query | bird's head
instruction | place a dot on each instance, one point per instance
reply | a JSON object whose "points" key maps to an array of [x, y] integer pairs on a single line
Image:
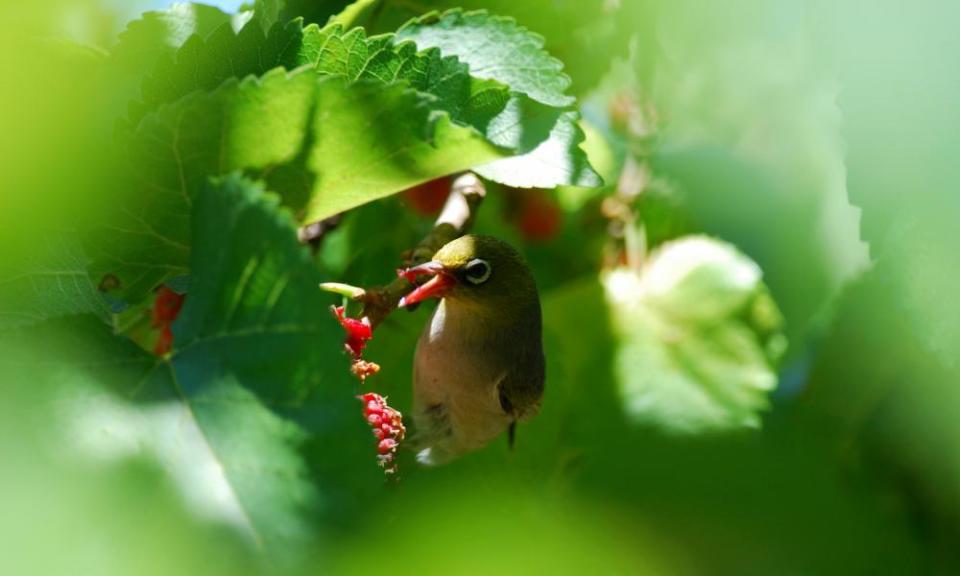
{"points": [[479, 271]]}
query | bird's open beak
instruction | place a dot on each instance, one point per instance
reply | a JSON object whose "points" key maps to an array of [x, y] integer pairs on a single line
{"points": [[435, 287]]}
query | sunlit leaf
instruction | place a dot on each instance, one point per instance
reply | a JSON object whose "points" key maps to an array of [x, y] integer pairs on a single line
{"points": [[496, 48]]}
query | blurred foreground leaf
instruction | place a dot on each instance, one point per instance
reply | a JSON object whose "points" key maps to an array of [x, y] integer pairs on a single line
{"points": [[47, 279], [700, 337], [160, 34]]}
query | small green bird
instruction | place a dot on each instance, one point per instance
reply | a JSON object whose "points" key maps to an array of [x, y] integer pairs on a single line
{"points": [[479, 365]]}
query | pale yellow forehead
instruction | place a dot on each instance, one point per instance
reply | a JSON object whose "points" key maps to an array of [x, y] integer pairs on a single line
{"points": [[458, 252]]}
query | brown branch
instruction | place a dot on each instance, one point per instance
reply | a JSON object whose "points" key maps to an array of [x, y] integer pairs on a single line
{"points": [[456, 218]]}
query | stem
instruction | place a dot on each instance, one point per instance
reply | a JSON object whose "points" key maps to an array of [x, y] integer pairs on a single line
{"points": [[352, 292], [632, 183], [456, 218]]}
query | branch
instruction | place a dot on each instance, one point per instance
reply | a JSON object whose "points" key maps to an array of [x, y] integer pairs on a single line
{"points": [[456, 218]]}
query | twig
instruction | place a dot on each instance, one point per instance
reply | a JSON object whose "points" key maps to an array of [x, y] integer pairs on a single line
{"points": [[624, 213], [466, 194]]}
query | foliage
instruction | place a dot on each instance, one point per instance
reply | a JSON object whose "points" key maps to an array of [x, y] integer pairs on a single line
{"points": [[732, 385]]}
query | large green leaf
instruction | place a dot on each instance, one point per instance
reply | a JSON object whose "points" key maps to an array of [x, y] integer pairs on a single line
{"points": [[496, 48], [699, 338], [370, 142], [253, 344]]}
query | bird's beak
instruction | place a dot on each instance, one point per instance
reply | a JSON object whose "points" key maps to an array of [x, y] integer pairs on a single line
{"points": [[435, 287]]}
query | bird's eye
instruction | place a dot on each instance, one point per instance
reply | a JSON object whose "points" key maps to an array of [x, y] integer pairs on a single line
{"points": [[477, 271]]}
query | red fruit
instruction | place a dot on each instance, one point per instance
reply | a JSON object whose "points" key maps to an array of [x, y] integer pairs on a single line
{"points": [[358, 332], [386, 446], [164, 342], [387, 426], [166, 306], [428, 198], [540, 217]]}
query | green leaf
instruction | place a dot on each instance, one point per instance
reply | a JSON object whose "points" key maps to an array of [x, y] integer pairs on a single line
{"points": [[356, 13], [497, 49], [46, 279], [370, 142], [267, 12], [203, 63], [254, 343], [508, 120], [256, 123], [556, 161], [162, 33], [247, 339], [699, 338]]}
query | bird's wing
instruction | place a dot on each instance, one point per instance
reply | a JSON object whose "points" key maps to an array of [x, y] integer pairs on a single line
{"points": [[520, 388]]}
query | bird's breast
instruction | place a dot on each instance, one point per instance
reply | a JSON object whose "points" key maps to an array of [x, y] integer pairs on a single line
{"points": [[456, 370]]}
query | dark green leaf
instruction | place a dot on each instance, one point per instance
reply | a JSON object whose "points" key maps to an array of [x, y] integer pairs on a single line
{"points": [[254, 343]]}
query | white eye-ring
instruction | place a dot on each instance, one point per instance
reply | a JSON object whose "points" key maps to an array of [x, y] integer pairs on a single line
{"points": [[477, 271]]}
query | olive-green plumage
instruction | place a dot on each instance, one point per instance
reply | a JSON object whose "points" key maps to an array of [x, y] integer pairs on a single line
{"points": [[479, 365]]}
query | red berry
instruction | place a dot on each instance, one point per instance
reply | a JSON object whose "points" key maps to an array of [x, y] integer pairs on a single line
{"points": [[386, 445], [540, 217], [387, 428], [164, 342], [166, 306], [428, 198]]}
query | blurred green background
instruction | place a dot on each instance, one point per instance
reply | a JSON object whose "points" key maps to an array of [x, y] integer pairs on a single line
{"points": [[776, 392]]}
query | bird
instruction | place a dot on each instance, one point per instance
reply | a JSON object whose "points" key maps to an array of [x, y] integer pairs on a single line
{"points": [[479, 366]]}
